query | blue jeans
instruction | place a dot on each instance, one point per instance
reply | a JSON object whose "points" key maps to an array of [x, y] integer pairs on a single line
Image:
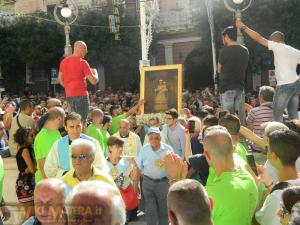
{"points": [[286, 96], [80, 105], [231, 100]]}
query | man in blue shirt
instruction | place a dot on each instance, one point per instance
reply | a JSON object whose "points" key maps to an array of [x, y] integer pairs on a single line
{"points": [[155, 181], [173, 132]]}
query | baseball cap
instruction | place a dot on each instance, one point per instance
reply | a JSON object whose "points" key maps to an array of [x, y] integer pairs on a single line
{"points": [[153, 130]]}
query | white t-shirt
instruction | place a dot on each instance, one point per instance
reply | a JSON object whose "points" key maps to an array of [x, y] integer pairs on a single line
{"points": [[286, 59], [267, 215]]}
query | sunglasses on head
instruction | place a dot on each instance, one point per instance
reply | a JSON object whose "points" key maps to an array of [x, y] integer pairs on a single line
{"points": [[81, 157]]}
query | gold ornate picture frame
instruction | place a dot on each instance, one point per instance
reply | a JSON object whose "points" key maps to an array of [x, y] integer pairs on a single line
{"points": [[161, 88]]}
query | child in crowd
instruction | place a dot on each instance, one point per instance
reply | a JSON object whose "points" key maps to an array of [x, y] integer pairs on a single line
{"points": [[124, 171], [25, 182]]}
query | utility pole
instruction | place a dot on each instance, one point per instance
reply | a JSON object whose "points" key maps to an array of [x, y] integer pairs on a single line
{"points": [[143, 30]]}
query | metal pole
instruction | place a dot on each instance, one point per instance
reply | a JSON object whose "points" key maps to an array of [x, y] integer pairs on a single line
{"points": [[213, 47], [240, 40], [68, 48], [143, 29], [240, 37]]}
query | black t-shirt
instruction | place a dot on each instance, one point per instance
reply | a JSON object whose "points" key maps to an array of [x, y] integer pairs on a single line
{"points": [[196, 146], [234, 60]]}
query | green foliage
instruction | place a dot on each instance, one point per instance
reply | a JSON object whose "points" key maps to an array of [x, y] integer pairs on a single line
{"points": [[119, 58], [39, 42]]}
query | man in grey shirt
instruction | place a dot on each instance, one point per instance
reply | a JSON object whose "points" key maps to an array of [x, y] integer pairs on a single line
{"points": [[174, 133]]}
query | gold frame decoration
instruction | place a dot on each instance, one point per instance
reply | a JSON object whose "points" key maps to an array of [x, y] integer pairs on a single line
{"points": [[161, 88]]}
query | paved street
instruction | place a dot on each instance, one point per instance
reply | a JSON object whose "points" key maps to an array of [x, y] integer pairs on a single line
{"points": [[11, 173]]}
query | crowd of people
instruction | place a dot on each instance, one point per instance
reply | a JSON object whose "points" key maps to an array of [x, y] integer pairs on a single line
{"points": [[84, 159], [56, 156]]}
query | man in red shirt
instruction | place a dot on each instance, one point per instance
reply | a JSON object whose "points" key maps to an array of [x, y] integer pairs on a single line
{"points": [[73, 73]]}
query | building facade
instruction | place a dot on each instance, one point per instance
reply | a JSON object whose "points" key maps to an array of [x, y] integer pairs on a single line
{"points": [[175, 30]]}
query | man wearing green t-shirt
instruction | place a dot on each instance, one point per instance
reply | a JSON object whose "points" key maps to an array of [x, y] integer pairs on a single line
{"points": [[94, 129], [116, 113], [45, 139], [232, 188], [232, 124]]}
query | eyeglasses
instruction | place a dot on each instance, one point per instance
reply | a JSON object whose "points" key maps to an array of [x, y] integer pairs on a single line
{"points": [[282, 211], [81, 157]]}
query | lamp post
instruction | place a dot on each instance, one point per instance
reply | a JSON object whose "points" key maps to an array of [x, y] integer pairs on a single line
{"points": [[65, 13], [238, 6], [149, 10]]}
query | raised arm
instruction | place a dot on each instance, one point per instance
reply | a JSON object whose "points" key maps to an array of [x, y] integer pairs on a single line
{"points": [[135, 108], [251, 33], [252, 137]]}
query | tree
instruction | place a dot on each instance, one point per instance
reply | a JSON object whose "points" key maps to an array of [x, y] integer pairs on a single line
{"points": [[40, 42]]}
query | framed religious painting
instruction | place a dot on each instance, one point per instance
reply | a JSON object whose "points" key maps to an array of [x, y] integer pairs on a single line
{"points": [[161, 88]]}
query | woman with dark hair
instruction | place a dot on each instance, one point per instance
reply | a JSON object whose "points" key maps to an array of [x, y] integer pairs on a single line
{"points": [[290, 197], [26, 165]]}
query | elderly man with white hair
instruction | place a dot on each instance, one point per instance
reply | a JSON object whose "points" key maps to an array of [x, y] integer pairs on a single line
{"points": [[96, 202], [83, 154], [49, 200]]}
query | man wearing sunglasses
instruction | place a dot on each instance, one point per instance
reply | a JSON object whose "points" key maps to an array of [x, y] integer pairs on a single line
{"points": [[83, 155], [58, 161]]}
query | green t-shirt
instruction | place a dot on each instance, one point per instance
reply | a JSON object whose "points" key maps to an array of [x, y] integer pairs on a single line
{"points": [[234, 197], [105, 136], [1, 177], [42, 144], [114, 128], [95, 132], [241, 151]]}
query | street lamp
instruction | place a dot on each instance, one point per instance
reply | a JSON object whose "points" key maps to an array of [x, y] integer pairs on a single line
{"points": [[65, 13], [238, 6]]}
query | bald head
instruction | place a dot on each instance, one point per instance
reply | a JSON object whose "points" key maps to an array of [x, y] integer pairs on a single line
{"points": [[124, 127], [218, 143], [55, 112], [80, 49], [277, 36], [49, 199], [95, 202], [52, 102]]}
